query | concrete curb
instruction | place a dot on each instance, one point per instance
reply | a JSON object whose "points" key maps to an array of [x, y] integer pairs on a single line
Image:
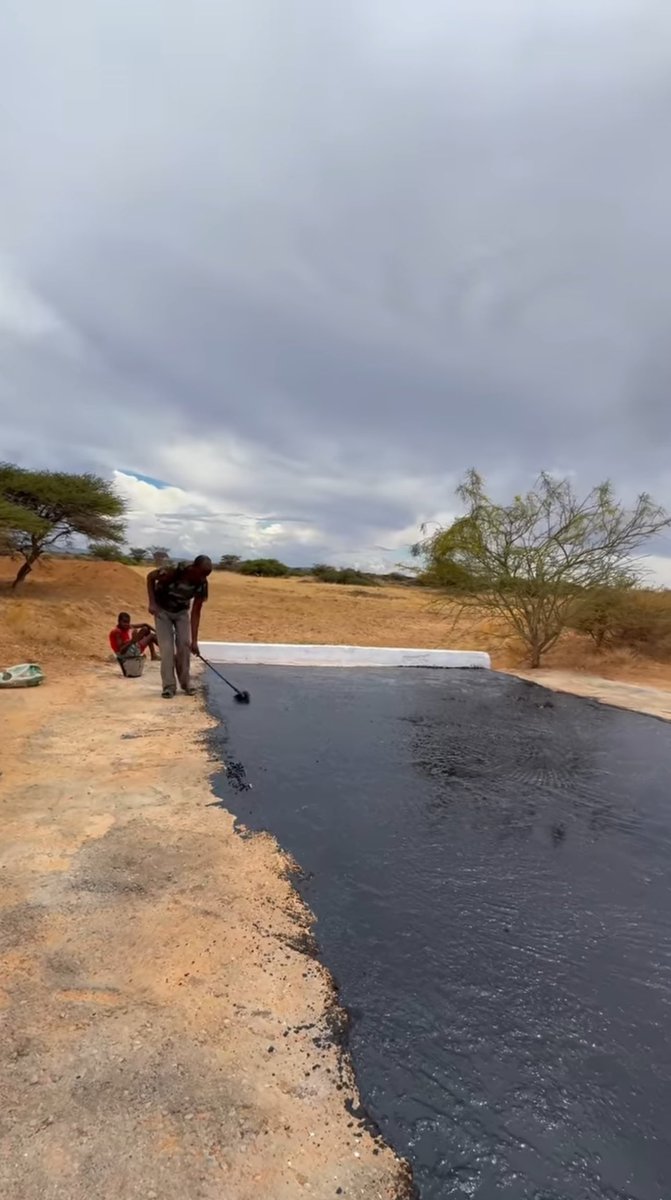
{"points": [[279, 654]]}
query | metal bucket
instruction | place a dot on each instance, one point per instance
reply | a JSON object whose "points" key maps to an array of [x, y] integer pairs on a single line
{"points": [[133, 666]]}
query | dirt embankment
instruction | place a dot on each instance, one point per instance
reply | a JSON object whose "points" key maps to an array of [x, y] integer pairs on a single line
{"points": [[163, 1032]]}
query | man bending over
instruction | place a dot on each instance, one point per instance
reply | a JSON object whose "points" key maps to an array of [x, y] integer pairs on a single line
{"points": [[172, 592]]}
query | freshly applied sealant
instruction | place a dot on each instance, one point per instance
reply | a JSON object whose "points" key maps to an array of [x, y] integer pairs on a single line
{"points": [[490, 868]]}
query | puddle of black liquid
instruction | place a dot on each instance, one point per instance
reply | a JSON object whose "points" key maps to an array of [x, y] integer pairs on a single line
{"points": [[490, 868]]}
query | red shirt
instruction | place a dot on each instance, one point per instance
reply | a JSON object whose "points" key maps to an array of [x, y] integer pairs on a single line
{"points": [[119, 638]]}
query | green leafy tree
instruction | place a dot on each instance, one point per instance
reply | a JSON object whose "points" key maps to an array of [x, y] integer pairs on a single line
{"points": [[325, 573], [344, 575], [107, 552], [263, 566], [60, 506], [138, 554], [530, 560]]}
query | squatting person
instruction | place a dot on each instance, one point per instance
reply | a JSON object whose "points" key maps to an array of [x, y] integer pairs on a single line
{"points": [[126, 639]]}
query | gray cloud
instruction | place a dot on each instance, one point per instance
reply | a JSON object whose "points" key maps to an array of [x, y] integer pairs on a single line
{"points": [[345, 250]]}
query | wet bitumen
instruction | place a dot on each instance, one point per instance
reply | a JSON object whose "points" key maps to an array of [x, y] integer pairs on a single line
{"points": [[490, 869]]}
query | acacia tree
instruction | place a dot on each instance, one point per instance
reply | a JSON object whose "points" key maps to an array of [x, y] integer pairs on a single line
{"points": [[229, 562], [51, 507], [160, 555], [138, 554], [528, 561], [15, 519]]}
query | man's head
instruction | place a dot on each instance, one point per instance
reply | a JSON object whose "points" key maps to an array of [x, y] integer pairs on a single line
{"points": [[201, 567], [123, 620]]}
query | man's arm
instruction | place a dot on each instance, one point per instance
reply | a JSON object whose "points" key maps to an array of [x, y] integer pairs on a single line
{"points": [[152, 580], [151, 595], [196, 609]]}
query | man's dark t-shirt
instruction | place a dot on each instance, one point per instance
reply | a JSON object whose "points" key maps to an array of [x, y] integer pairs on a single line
{"points": [[174, 593]]}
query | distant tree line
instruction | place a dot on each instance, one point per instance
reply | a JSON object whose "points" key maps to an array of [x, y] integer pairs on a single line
{"points": [[260, 567], [130, 556], [323, 572]]}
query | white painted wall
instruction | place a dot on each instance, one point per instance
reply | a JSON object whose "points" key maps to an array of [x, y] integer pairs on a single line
{"points": [[339, 656]]}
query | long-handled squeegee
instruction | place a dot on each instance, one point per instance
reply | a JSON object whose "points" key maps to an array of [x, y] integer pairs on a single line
{"points": [[241, 697]]}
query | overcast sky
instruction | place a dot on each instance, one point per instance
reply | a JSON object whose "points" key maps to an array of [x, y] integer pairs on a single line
{"points": [[305, 261]]}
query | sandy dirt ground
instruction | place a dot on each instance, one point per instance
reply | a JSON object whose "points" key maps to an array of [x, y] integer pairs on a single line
{"points": [[163, 1032], [654, 701]]}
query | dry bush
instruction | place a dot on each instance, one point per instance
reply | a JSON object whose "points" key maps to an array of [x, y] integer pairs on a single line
{"points": [[626, 618]]}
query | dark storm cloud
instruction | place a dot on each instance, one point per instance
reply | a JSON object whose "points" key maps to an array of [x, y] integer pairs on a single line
{"points": [[369, 243]]}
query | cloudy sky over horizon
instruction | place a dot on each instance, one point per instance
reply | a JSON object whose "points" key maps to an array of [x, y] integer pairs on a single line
{"points": [[286, 269]]}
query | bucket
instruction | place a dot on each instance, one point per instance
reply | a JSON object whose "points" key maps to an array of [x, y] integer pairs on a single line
{"points": [[133, 666]]}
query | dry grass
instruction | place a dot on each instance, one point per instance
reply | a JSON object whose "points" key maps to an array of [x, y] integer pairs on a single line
{"points": [[67, 607], [64, 609]]}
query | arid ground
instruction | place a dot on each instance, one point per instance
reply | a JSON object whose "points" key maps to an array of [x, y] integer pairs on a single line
{"points": [[64, 611], [165, 1031]]}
